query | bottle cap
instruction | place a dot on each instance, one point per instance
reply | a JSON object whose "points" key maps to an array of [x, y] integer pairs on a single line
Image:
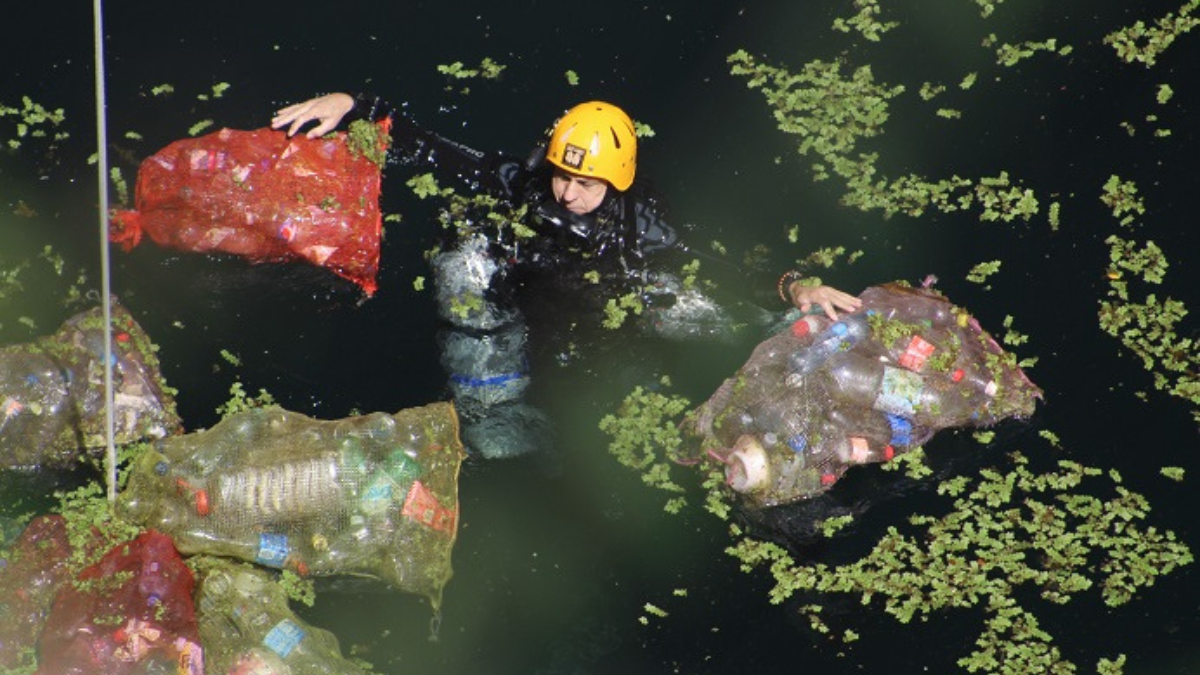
{"points": [[798, 443], [800, 328]]}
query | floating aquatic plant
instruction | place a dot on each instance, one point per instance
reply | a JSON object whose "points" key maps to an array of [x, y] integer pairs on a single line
{"points": [[199, 127], [981, 271], [645, 434], [1143, 44], [1010, 55], [987, 7], [368, 140], [1006, 531], [33, 120], [834, 114], [1149, 329], [866, 22]]}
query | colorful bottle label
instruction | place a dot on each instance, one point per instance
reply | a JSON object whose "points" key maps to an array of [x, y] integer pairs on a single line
{"points": [[901, 430], [860, 450], [899, 392], [422, 506], [917, 352], [283, 638], [272, 549]]}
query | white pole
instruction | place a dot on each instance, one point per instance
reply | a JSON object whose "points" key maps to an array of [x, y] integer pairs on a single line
{"points": [[105, 284]]}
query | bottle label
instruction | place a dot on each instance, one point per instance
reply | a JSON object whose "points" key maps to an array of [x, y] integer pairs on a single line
{"points": [[917, 352], [272, 549], [860, 451], [901, 430], [899, 392], [422, 506], [283, 638]]}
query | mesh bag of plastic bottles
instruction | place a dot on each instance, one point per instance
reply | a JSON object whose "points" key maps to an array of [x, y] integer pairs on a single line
{"points": [[52, 392], [247, 628], [822, 396], [374, 495], [267, 197], [32, 571], [129, 613]]}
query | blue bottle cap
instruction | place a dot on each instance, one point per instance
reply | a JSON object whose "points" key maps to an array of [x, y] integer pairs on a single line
{"points": [[797, 443]]}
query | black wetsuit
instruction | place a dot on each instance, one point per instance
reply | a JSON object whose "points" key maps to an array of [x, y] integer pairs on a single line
{"points": [[481, 272]]}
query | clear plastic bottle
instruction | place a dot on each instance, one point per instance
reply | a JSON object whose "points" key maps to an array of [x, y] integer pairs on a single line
{"points": [[277, 493], [842, 335], [879, 428], [864, 381]]}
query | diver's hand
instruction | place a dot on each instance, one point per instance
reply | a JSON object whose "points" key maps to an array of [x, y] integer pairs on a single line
{"points": [[826, 297], [328, 110]]}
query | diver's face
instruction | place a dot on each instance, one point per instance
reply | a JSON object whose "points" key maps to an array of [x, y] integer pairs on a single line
{"points": [[577, 194]]}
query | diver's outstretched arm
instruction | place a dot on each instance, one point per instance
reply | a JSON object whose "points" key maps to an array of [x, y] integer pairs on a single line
{"points": [[328, 110]]}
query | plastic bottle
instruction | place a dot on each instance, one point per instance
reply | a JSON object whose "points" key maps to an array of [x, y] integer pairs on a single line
{"points": [[860, 450], [747, 468], [279, 492], [976, 380], [879, 428], [259, 661], [875, 383], [840, 336]]}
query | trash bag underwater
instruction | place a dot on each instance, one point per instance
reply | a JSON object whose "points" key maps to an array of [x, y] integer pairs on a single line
{"points": [[130, 613], [374, 495], [821, 396], [266, 197], [52, 392], [33, 570], [247, 627]]}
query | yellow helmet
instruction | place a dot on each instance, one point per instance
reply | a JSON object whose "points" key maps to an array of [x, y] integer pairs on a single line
{"points": [[595, 139]]}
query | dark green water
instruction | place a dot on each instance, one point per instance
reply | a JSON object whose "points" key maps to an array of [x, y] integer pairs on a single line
{"points": [[558, 555]]}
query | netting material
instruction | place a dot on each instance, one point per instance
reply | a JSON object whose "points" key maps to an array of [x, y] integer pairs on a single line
{"points": [[264, 196], [375, 495], [31, 574], [52, 392], [130, 613], [247, 627], [820, 397]]}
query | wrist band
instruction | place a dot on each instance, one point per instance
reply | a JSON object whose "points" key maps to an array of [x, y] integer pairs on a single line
{"points": [[785, 282]]}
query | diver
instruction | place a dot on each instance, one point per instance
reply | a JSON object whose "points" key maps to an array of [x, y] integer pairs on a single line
{"points": [[582, 219]]}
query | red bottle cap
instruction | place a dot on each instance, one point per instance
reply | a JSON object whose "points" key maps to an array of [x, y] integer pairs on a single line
{"points": [[828, 479], [958, 375], [888, 453], [800, 328]]}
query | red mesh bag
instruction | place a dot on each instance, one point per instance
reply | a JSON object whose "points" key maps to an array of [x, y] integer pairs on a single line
{"points": [[130, 613], [267, 197], [31, 575]]}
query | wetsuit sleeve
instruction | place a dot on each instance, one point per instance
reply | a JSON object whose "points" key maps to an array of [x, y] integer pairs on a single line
{"points": [[654, 234], [415, 146]]}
